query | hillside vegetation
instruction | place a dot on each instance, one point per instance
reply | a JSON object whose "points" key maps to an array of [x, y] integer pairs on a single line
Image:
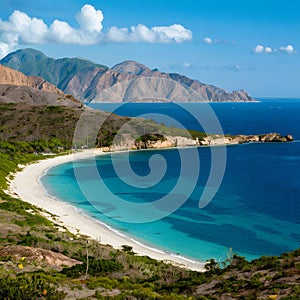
{"points": [[42, 260], [41, 123]]}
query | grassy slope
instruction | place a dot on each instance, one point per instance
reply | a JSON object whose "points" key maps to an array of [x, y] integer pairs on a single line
{"points": [[56, 125], [120, 273], [112, 273]]}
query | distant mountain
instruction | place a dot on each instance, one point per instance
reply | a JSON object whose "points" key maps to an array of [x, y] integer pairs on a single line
{"points": [[133, 67], [127, 81]]}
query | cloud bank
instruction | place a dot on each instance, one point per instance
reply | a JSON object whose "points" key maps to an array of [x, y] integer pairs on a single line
{"points": [[260, 49], [141, 33], [22, 29]]}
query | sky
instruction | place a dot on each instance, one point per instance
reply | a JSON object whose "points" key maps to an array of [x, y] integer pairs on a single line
{"points": [[234, 44]]}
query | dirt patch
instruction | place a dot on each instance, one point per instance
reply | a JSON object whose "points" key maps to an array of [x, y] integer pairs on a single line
{"points": [[31, 254]]}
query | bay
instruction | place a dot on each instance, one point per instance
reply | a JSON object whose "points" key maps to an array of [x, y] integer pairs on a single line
{"points": [[256, 210]]}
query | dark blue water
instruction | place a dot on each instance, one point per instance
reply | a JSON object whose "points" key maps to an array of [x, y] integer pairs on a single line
{"points": [[236, 118], [256, 210]]}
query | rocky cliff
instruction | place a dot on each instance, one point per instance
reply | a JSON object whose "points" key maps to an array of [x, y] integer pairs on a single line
{"points": [[10, 76], [214, 140], [15, 87], [128, 81]]}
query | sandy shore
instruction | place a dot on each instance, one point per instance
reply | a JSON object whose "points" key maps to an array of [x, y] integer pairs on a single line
{"points": [[27, 187]]}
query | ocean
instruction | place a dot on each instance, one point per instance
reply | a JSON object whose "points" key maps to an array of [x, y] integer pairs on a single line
{"points": [[255, 211]]}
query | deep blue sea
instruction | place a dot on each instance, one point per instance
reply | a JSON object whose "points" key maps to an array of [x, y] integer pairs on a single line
{"points": [[255, 211]]}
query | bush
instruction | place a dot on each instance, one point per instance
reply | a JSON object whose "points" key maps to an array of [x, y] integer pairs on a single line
{"points": [[97, 267], [29, 286]]}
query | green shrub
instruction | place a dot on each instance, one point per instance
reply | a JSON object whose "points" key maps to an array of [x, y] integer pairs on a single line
{"points": [[27, 286], [96, 267], [28, 240]]}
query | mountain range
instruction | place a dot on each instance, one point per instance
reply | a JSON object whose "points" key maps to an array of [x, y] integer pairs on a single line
{"points": [[128, 81]]}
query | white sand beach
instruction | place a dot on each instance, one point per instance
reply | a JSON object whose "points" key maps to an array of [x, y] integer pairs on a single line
{"points": [[27, 187]]}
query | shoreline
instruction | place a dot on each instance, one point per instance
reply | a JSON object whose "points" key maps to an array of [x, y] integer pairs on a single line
{"points": [[26, 186]]}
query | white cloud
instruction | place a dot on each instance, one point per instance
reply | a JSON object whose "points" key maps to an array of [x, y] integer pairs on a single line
{"points": [[260, 49], [5, 48], [268, 50], [289, 49], [174, 33], [10, 41], [119, 35], [62, 32], [22, 29], [141, 33], [235, 68], [90, 19], [208, 40], [187, 65]]}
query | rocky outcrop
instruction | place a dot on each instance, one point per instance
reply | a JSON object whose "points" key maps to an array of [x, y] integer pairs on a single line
{"points": [[30, 96], [213, 140], [128, 81], [210, 140], [34, 255], [185, 142], [159, 142], [15, 87], [289, 138], [10, 76], [167, 142]]}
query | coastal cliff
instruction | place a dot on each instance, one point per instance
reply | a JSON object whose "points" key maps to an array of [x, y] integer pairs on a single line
{"points": [[159, 141], [214, 140]]}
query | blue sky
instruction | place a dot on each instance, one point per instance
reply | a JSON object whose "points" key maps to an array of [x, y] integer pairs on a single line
{"points": [[235, 44]]}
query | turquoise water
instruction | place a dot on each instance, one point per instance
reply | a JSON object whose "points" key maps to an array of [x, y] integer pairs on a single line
{"points": [[256, 210]]}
